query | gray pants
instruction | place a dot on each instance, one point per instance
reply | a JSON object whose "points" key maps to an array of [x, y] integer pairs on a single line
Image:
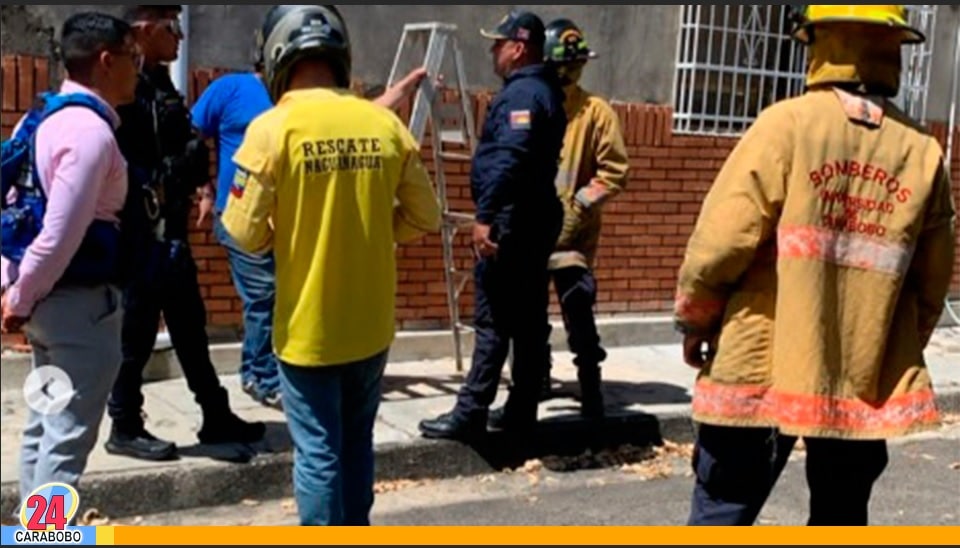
{"points": [[76, 329]]}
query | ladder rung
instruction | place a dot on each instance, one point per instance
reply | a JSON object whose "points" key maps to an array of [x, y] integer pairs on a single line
{"points": [[459, 218], [421, 27], [456, 157], [453, 136]]}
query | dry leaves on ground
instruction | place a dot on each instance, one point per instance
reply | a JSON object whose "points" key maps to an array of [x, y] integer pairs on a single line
{"points": [[93, 518], [644, 461], [532, 469], [661, 464], [650, 470], [532, 466], [608, 458], [397, 485], [671, 449]]}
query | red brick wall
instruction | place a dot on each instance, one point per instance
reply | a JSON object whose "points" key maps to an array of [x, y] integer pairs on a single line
{"points": [[644, 235]]}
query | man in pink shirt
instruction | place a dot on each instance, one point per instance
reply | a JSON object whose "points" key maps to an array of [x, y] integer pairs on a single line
{"points": [[70, 325]]}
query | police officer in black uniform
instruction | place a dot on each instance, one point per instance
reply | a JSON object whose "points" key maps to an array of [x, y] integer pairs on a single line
{"points": [[518, 220], [167, 164]]}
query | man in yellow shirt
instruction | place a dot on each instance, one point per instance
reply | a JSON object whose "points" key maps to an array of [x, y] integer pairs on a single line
{"points": [[328, 182]]}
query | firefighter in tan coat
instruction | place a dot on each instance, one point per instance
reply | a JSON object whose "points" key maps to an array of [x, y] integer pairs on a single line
{"points": [[593, 170], [814, 279]]}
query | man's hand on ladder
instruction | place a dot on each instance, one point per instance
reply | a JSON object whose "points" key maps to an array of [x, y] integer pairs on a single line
{"points": [[393, 97]]}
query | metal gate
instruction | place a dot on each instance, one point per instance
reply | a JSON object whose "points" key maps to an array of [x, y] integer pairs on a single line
{"points": [[733, 61], [917, 62]]}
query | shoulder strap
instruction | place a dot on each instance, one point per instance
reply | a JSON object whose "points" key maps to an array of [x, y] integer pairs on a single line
{"points": [[29, 125], [53, 103], [18, 145]]}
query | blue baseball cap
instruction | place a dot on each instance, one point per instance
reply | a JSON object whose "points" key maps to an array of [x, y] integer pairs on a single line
{"points": [[520, 26]]}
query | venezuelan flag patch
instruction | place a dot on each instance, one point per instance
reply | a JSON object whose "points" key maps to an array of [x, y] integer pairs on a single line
{"points": [[520, 119], [239, 183]]}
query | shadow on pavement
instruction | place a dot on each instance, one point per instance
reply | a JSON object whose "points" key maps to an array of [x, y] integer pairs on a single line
{"points": [[276, 440], [620, 396], [554, 439], [405, 385]]}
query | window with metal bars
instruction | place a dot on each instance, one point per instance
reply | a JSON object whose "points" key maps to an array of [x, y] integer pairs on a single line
{"points": [[735, 61], [917, 62]]}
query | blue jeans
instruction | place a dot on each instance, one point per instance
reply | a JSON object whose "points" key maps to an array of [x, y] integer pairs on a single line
{"points": [[331, 412], [253, 277]]}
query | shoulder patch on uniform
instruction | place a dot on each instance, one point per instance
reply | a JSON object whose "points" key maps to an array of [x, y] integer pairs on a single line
{"points": [[520, 119], [240, 179]]}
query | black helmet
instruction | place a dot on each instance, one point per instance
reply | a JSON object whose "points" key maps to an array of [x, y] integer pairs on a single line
{"points": [[565, 43], [294, 32]]}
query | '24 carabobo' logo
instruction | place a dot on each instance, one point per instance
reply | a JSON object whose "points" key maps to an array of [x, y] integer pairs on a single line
{"points": [[50, 507], [46, 514]]}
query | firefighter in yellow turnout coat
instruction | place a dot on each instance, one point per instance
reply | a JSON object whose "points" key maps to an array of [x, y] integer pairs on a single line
{"points": [[815, 277], [593, 170]]}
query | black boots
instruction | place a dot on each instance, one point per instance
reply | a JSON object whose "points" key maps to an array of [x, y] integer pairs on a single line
{"points": [[220, 426], [133, 440], [225, 427], [591, 394], [450, 426]]}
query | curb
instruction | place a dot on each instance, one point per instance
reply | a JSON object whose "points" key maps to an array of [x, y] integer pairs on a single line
{"points": [[178, 488], [268, 477]]}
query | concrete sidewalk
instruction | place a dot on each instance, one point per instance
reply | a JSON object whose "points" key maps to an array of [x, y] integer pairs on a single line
{"points": [[409, 346], [647, 390]]}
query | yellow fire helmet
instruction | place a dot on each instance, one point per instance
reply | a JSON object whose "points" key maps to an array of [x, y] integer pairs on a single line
{"points": [[893, 16]]}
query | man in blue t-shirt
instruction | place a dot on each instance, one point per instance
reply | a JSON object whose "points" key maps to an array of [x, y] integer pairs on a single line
{"points": [[223, 113]]}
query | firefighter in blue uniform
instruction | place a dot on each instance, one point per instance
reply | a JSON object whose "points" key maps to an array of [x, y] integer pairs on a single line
{"points": [[518, 220]]}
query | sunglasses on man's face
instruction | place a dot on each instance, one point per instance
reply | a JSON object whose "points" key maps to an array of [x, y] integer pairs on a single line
{"points": [[173, 26], [170, 25]]}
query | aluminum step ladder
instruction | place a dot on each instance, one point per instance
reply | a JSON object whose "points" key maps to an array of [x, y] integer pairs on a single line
{"points": [[428, 45]]}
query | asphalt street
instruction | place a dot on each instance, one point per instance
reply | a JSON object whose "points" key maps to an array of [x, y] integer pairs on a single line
{"points": [[629, 487]]}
